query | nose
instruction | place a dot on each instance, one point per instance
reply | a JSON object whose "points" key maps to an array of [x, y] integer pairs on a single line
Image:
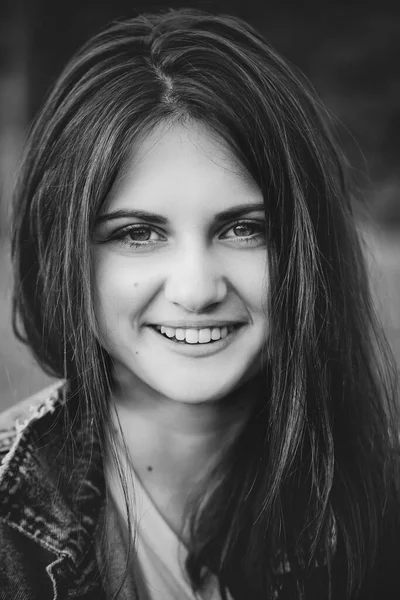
{"points": [[195, 281]]}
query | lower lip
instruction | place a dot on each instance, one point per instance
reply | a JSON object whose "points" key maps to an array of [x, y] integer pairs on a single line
{"points": [[198, 349]]}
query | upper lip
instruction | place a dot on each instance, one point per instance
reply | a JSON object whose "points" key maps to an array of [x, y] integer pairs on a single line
{"points": [[197, 324]]}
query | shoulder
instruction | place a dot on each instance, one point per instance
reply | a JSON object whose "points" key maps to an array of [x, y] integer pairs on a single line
{"points": [[15, 418]]}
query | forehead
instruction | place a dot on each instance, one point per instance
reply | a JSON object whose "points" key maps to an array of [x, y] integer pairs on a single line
{"points": [[182, 164]]}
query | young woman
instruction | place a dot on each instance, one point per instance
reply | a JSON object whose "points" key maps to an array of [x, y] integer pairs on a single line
{"points": [[187, 265]]}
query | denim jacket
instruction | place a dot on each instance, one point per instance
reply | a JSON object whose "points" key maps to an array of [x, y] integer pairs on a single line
{"points": [[50, 513], [46, 552]]}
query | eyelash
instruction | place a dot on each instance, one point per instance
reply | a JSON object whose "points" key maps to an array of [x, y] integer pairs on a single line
{"points": [[122, 234]]}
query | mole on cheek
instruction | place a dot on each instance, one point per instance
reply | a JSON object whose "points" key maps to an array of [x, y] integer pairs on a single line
{"points": [[149, 468]]}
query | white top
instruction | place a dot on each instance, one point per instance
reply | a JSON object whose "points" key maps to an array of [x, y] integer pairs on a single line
{"points": [[160, 555]]}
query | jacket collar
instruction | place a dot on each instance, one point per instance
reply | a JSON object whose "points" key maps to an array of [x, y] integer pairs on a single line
{"points": [[54, 498]]}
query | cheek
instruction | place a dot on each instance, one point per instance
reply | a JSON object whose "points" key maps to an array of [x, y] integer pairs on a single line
{"points": [[114, 287], [253, 282], [119, 295]]}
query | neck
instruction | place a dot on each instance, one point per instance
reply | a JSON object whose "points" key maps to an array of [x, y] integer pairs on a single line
{"points": [[173, 444], [157, 427]]}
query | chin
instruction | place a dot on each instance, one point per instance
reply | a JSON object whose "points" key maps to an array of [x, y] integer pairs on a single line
{"points": [[196, 399], [198, 394]]}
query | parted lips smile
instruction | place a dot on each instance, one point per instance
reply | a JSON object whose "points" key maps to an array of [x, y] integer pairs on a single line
{"points": [[197, 342]]}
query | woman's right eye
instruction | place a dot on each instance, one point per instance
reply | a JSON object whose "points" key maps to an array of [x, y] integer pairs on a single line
{"points": [[135, 235]]}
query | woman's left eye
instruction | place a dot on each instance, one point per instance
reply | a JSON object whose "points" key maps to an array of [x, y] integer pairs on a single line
{"points": [[139, 236], [257, 227]]}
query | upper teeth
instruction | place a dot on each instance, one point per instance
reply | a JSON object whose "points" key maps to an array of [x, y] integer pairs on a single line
{"points": [[195, 336]]}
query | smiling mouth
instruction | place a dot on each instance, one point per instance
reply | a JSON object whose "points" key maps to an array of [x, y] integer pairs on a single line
{"points": [[184, 342]]}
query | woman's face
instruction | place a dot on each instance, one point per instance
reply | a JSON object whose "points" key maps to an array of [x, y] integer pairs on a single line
{"points": [[167, 252]]}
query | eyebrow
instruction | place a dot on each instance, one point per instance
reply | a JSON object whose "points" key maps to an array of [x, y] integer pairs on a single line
{"points": [[226, 215]]}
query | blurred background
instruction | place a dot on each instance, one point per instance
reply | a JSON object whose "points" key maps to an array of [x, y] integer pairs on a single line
{"points": [[351, 53]]}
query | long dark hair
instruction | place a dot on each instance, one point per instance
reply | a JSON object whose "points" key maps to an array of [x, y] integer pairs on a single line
{"points": [[323, 430]]}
